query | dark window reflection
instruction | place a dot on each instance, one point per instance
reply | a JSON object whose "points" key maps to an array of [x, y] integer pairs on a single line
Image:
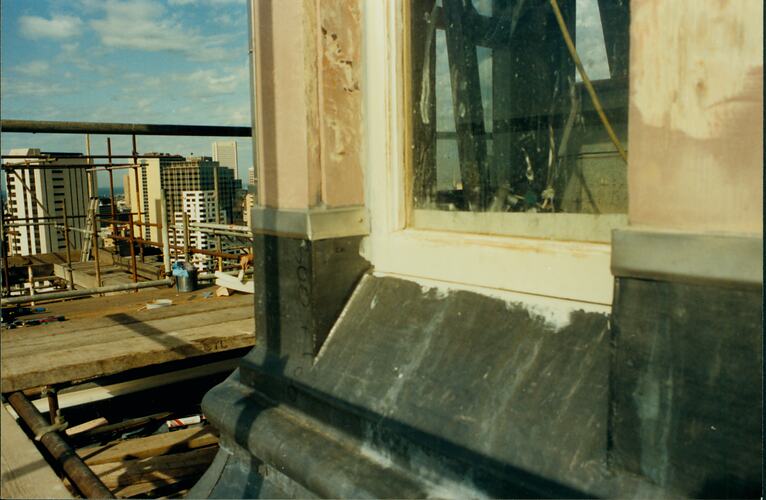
{"points": [[501, 120]]}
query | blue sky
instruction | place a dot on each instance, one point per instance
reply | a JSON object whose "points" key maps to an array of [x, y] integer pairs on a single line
{"points": [[136, 61]]}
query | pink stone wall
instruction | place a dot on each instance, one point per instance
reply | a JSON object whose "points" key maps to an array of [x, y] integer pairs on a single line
{"points": [[696, 115]]}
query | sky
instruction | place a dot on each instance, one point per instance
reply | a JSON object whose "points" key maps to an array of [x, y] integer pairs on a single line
{"points": [[133, 61]]}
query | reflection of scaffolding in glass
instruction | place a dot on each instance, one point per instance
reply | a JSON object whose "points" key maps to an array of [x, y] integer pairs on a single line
{"points": [[494, 88]]}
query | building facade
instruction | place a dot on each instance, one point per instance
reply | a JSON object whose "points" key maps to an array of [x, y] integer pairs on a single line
{"points": [[251, 196], [175, 175], [201, 207], [598, 285], [225, 153], [198, 174], [43, 192], [149, 189]]}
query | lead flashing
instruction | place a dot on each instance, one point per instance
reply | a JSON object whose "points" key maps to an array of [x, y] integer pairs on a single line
{"points": [[732, 260], [312, 224]]}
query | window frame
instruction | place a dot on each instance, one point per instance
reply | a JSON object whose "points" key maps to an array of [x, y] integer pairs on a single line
{"points": [[518, 265], [573, 226]]}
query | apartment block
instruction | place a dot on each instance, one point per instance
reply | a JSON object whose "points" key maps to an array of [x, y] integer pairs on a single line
{"points": [[43, 192], [201, 207], [199, 174]]}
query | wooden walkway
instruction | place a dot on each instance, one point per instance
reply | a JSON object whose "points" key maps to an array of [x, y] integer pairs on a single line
{"points": [[107, 335]]}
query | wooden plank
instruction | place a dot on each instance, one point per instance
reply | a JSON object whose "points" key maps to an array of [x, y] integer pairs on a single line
{"points": [[86, 426], [233, 283], [91, 392], [140, 490], [25, 473], [126, 313], [145, 447], [130, 423], [119, 326], [103, 352], [134, 477]]}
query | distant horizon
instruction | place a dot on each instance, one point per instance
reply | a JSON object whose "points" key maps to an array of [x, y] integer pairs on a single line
{"points": [[104, 191]]}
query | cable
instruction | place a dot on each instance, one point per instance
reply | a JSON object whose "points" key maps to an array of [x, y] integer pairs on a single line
{"points": [[586, 81]]}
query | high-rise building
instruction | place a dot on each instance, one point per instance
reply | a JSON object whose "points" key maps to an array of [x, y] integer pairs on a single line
{"points": [[251, 196], [176, 174], [225, 153], [149, 189], [249, 203], [43, 192], [201, 207], [199, 174]]}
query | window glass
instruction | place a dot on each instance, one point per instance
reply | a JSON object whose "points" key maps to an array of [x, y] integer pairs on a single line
{"points": [[502, 124]]}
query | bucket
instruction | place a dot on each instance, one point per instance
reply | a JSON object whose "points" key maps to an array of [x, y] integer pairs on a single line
{"points": [[186, 276], [187, 283]]}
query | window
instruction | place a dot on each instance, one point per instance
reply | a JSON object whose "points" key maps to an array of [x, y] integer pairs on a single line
{"points": [[505, 138]]}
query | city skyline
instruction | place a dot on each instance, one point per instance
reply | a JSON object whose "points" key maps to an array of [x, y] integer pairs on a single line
{"points": [[134, 61]]}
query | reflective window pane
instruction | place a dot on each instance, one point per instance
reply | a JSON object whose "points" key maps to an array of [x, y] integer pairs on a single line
{"points": [[501, 120]]}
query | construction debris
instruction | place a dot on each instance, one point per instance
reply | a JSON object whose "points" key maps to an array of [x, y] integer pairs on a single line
{"points": [[129, 478], [184, 421], [86, 426], [234, 282]]}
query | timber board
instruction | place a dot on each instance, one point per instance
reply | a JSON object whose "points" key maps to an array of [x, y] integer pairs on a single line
{"points": [[25, 473], [109, 335]]}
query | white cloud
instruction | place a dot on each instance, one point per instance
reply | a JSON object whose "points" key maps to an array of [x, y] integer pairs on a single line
{"points": [[73, 55], [31, 88], [589, 39], [33, 68], [145, 25], [213, 82], [57, 27], [209, 89]]}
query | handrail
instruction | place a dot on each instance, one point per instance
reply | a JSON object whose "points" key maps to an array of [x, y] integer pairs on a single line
{"points": [[64, 127]]}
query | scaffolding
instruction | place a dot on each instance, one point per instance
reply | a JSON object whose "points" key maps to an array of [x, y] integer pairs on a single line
{"points": [[125, 227]]}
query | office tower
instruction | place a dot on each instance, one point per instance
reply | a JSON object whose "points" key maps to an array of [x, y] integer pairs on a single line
{"points": [[225, 153], [42, 192], [149, 190], [201, 207], [175, 174], [251, 176], [199, 174]]}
